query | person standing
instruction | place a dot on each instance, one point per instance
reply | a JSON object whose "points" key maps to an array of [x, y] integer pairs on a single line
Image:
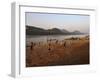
{"points": [[32, 45]]}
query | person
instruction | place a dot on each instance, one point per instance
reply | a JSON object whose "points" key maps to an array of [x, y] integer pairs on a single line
{"points": [[32, 45], [64, 44], [49, 47], [56, 41]]}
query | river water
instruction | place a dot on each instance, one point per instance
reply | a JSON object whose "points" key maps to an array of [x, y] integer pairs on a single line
{"points": [[44, 38]]}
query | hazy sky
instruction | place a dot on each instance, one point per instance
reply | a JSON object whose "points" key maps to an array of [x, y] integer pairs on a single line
{"points": [[61, 21]]}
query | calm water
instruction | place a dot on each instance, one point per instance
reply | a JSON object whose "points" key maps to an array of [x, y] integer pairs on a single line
{"points": [[45, 37]]}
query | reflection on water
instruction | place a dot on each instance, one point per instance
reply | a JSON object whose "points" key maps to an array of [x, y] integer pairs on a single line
{"points": [[44, 38]]}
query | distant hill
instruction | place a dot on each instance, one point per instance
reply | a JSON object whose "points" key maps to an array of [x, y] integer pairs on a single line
{"points": [[54, 31], [32, 30], [76, 32], [65, 31]]}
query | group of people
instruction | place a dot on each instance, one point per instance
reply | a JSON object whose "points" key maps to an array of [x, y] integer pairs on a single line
{"points": [[63, 43]]}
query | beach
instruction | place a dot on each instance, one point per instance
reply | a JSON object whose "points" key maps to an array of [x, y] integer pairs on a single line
{"points": [[72, 51]]}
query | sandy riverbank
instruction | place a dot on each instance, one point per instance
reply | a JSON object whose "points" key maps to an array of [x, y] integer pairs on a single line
{"points": [[75, 51]]}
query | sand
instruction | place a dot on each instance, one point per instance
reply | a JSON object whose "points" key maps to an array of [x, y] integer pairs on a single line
{"points": [[74, 52]]}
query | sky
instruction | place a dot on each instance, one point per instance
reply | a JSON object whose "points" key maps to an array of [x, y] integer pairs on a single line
{"points": [[70, 22]]}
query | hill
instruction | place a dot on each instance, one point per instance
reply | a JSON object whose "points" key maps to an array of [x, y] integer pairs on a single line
{"points": [[32, 30]]}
